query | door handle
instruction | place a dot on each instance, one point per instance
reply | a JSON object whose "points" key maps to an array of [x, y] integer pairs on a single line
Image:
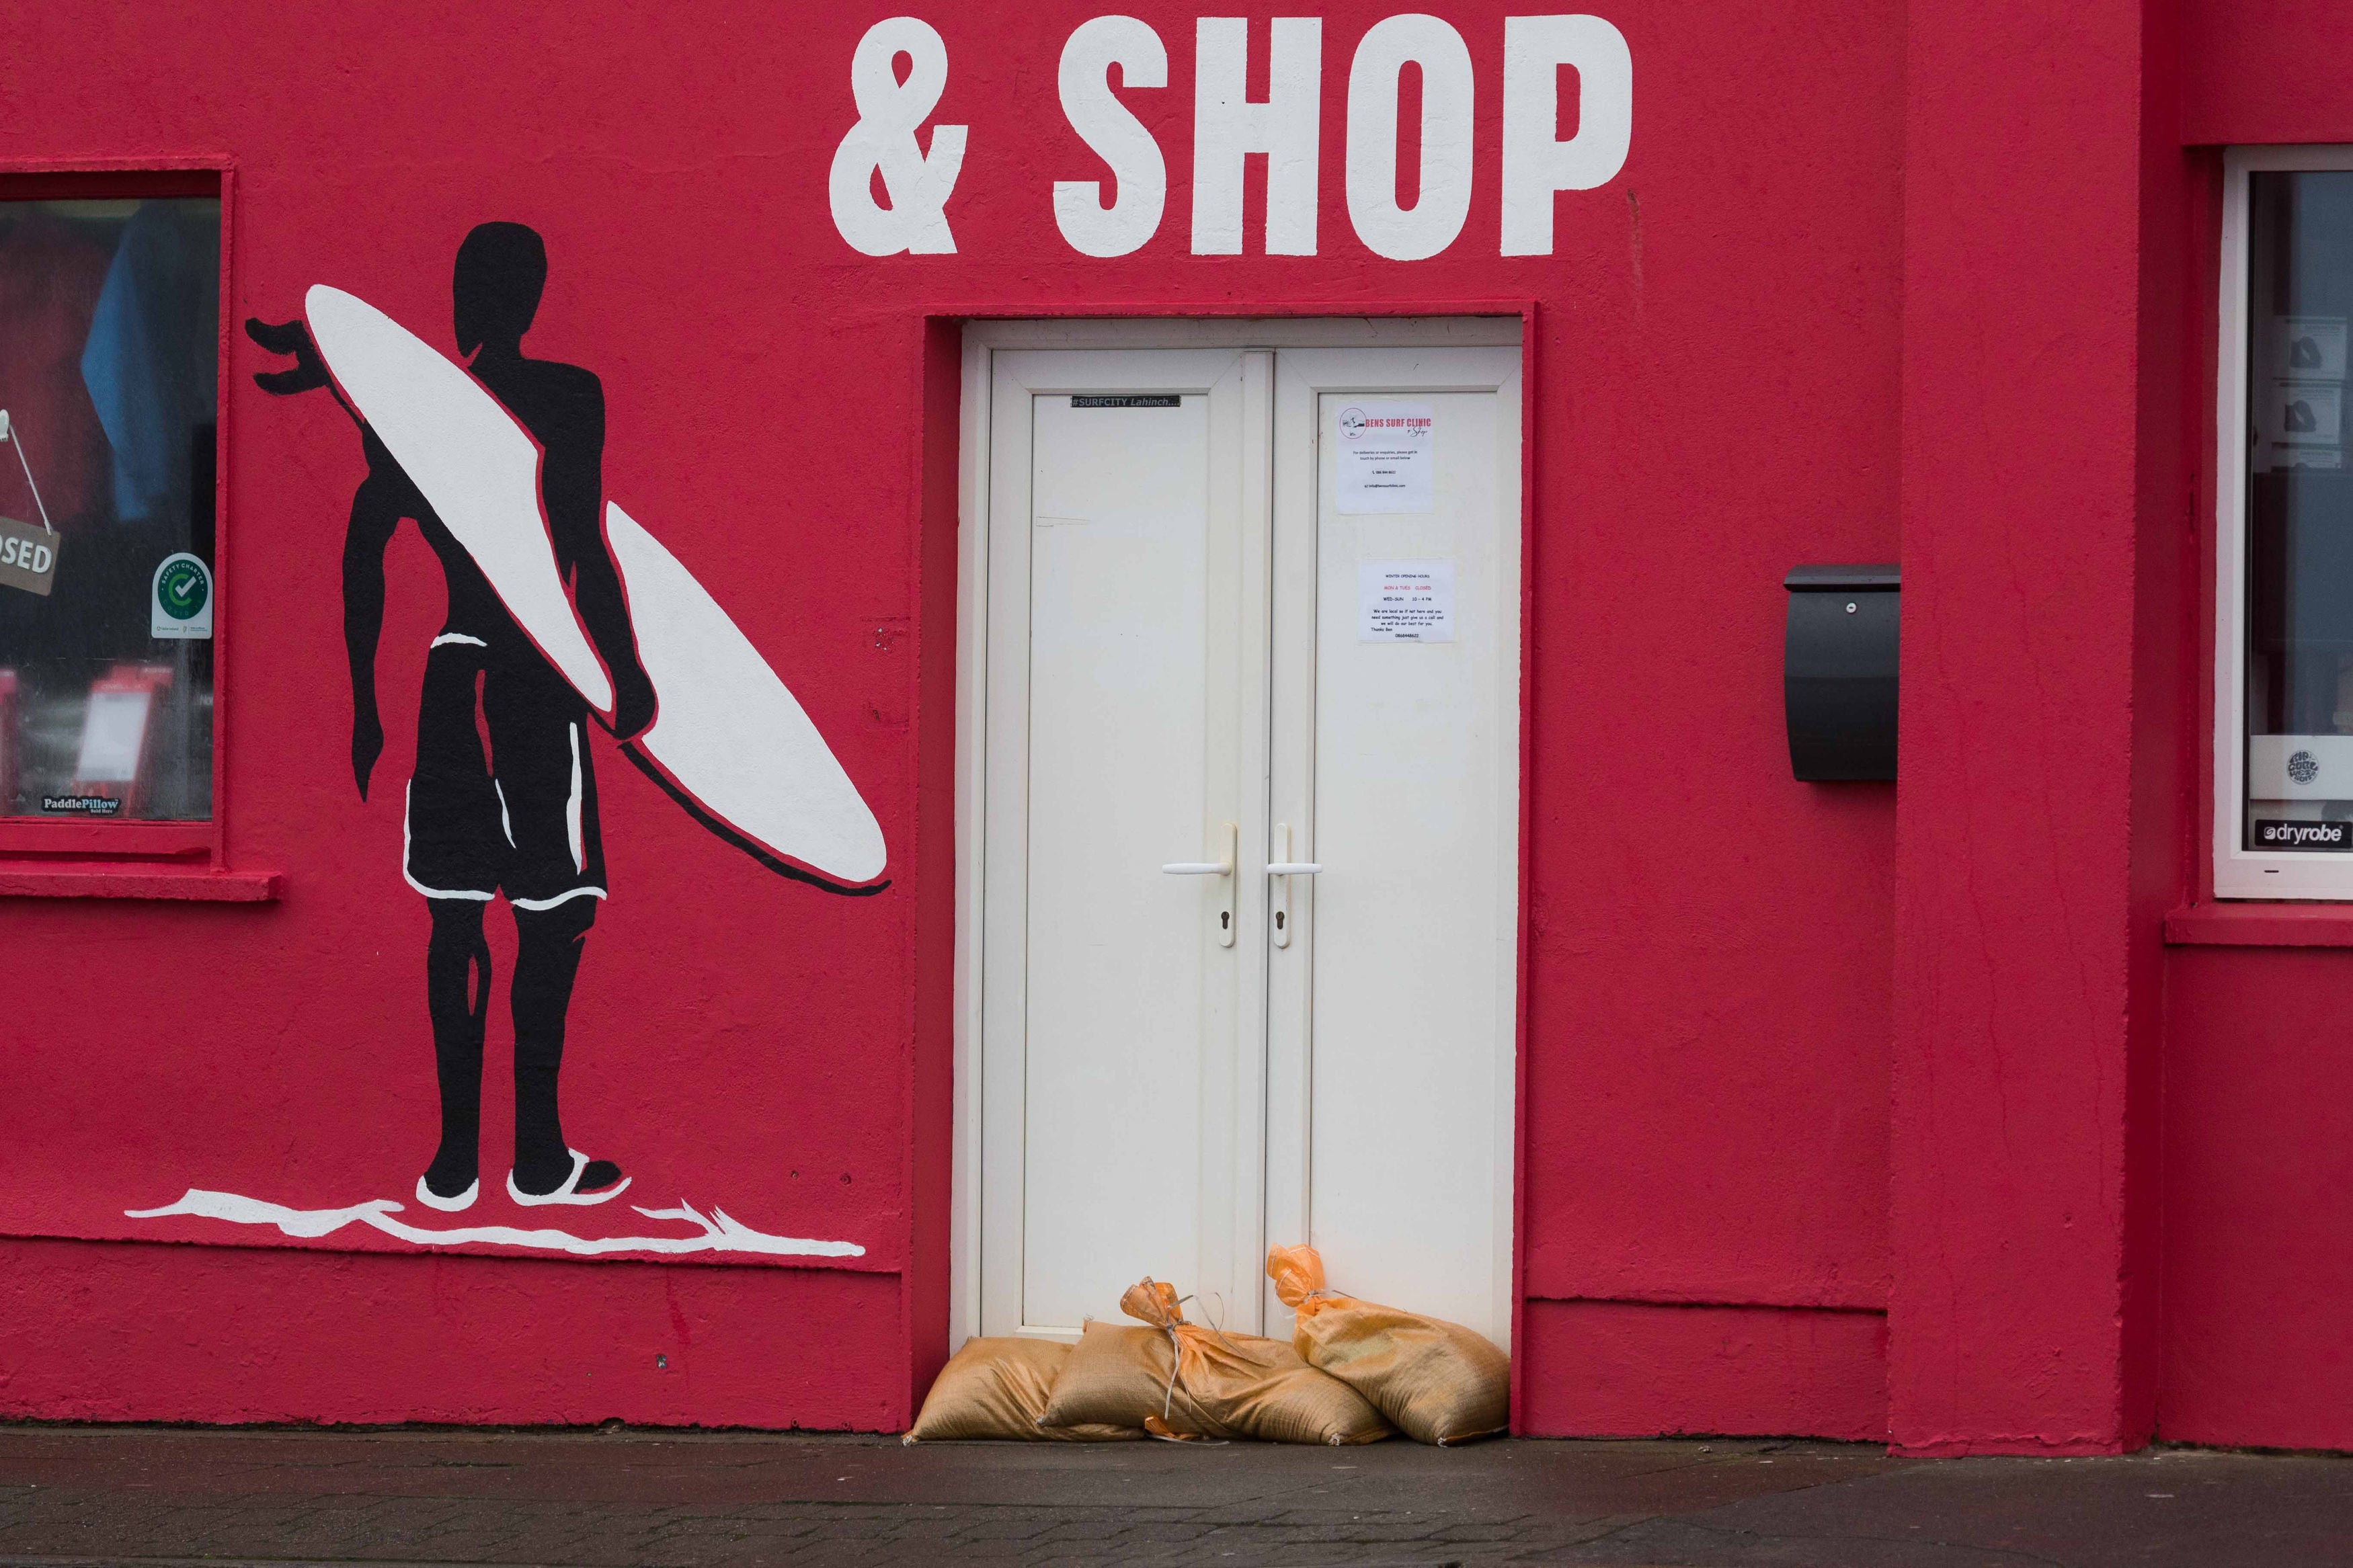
{"points": [[1279, 913], [1225, 868]]}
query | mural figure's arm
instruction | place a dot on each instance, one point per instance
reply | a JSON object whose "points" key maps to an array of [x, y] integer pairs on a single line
{"points": [[572, 487], [383, 498]]}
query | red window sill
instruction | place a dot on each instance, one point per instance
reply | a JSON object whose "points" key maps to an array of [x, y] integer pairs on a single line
{"points": [[104, 840], [2259, 924], [22, 879]]}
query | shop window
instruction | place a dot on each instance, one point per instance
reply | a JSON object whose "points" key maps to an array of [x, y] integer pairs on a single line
{"points": [[109, 333]]}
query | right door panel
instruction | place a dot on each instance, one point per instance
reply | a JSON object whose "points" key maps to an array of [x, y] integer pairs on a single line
{"points": [[1396, 770]]}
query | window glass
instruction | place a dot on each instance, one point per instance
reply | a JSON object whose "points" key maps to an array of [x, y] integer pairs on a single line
{"points": [[109, 346]]}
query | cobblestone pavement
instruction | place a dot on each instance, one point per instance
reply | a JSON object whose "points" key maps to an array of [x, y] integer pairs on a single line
{"points": [[163, 1496]]}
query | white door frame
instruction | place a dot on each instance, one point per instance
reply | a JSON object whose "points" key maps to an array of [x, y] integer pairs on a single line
{"points": [[982, 340]]}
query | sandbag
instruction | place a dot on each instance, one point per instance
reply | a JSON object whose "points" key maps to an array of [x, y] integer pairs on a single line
{"points": [[1439, 1382], [1118, 1376], [1186, 1380], [998, 1388]]}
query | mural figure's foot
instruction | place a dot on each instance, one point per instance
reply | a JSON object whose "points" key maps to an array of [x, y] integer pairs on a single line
{"points": [[433, 1200], [591, 1182], [454, 1179]]}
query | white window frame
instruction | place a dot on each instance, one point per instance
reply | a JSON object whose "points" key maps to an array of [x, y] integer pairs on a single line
{"points": [[2241, 873]]}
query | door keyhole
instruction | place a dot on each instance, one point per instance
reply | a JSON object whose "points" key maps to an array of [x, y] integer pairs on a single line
{"points": [[1225, 919], [1279, 915]]}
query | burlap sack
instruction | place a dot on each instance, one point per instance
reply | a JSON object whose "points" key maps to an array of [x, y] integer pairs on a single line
{"points": [[1439, 1382], [998, 1388], [1186, 1380], [1117, 1376]]}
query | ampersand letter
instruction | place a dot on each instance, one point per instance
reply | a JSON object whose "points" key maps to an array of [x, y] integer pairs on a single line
{"points": [[890, 113]]}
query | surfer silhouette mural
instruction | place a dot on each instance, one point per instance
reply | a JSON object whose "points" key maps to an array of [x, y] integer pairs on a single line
{"points": [[563, 612], [519, 817]]}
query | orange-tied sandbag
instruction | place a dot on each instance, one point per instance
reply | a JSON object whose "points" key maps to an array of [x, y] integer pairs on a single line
{"points": [[998, 1388], [1439, 1382], [1183, 1381]]}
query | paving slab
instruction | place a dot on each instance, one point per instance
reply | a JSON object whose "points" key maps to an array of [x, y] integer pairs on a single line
{"points": [[633, 1498]]}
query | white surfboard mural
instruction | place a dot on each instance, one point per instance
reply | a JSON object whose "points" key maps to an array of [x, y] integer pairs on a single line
{"points": [[728, 734], [730, 741], [472, 460]]}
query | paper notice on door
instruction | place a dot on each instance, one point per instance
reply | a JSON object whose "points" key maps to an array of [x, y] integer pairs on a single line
{"points": [[1386, 456], [2305, 422], [2308, 348], [1405, 600]]}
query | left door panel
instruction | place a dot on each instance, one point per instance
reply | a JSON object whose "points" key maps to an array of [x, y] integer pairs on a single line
{"points": [[1120, 666]]}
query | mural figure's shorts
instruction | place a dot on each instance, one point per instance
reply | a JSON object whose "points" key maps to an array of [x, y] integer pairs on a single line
{"points": [[522, 820]]}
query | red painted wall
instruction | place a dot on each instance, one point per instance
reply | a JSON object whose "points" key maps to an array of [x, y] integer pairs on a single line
{"points": [[102, 1331], [2015, 1048], [1842, 1114], [1627, 1369], [2258, 1255], [2258, 71], [2256, 1065], [1706, 1091], [1706, 1031]]}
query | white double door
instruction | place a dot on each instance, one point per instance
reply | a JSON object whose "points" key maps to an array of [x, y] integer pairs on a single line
{"points": [[1244, 611]]}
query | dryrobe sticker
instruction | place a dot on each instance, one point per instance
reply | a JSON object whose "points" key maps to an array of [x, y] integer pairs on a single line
{"points": [[2272, 834], [1405, 600], [1385, 453]]}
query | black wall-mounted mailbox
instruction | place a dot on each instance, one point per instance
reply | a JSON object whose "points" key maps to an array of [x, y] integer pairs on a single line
{"points": [[1838, 671]]}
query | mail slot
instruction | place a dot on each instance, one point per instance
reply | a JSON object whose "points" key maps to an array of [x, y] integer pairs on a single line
{"points": [[1839, 672]]}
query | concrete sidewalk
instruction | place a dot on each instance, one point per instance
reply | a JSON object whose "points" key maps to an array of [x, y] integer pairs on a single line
{"points": [[83, 1495]]}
